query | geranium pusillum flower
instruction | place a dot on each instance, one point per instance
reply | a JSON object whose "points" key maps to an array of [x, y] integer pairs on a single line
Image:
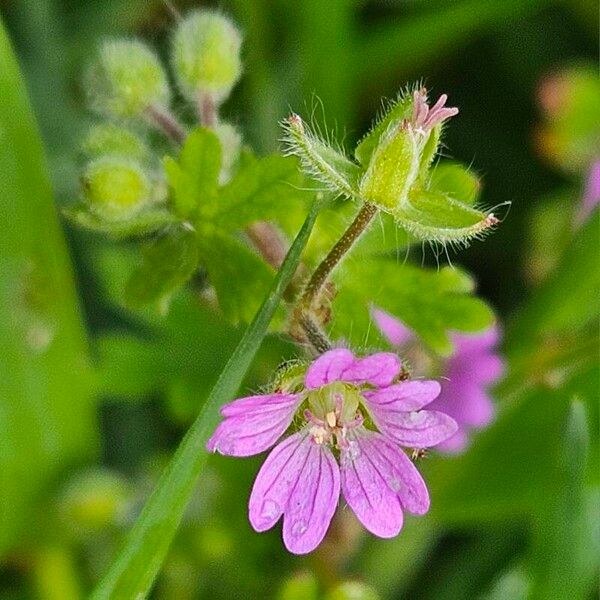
{"points": [[425, 117], [591, 194], [354, 415], [474, 365]]}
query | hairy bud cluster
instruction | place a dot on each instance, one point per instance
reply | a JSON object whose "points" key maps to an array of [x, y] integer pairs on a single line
{"points": [[393, 171]]}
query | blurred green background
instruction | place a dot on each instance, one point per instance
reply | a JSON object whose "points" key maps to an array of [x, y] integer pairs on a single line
{"points": [[93, 398]]}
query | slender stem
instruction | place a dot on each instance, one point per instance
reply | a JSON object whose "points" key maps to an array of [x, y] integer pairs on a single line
{"points": [[166, 122], [268, 241], [342, 246], [305, 320], [207, 111]]}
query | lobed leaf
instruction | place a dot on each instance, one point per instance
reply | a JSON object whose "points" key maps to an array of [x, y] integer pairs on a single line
{"points": [[263, 189], [193, 177], [430, 302], [240, 277], [167, 263]]}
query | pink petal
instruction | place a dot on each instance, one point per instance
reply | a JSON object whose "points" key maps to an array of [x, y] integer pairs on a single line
{"points": [[253, 424], [404, 396], [276, 480], [377, 369], [476, 342], [455, 444], [328, 367], [313, 501], [392, 328], [366, 490], [421, 429], [402, 475], [255, 403], [467, 402]]}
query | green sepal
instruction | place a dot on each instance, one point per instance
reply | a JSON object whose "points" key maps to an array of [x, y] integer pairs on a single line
{"points": [[320, 160], [167, 263], [456, 181], [429, 150], [393, 168], [397, 111], [193, 178], [433, 216], [145, 223]]}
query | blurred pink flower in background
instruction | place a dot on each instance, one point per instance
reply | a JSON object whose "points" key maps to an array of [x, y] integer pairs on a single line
{"points": [[466, 376]]}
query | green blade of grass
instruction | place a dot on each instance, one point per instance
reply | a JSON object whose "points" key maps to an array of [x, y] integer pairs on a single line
{"points": [[136, 566]]}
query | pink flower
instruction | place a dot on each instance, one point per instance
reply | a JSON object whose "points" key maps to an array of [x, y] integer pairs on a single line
{"points": [[472, 368], [335, 447], [591, 194], [425, 117]]}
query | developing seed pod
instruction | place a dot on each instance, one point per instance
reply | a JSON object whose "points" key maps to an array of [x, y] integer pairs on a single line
{"points": [[206, 55], [109, 138], [126, 80], [116, 188]]}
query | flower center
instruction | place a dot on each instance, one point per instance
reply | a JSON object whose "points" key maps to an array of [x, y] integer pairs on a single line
{"points": [[333, 409]]}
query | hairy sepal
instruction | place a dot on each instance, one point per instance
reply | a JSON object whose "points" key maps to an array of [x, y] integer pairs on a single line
{"points": [[434, 216], [319, 160], [393, 168]]}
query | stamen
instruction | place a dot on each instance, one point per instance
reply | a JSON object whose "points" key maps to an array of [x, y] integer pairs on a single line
{"points": [[331, 419]]}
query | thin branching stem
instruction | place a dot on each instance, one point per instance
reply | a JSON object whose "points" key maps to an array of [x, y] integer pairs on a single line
{"points": [[167, 123]]}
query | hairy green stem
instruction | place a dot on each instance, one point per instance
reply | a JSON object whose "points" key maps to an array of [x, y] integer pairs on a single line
{"points": [[309, 303]]}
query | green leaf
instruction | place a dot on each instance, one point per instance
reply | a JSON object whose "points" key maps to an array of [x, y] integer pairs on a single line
{"points": [[428, 301], [565, 545], [569, 299], [240, 277], [146, 223], [472, 488], [134, 569], [456, 181], [433, 216], [167, 263], [263, 189], [193, 177], [47, 413]]}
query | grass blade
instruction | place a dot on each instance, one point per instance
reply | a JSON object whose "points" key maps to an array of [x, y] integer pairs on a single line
{"points": [[135, 568]]}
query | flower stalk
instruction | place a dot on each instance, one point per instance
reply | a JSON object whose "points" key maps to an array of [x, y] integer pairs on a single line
{"points": [[304, 322]]}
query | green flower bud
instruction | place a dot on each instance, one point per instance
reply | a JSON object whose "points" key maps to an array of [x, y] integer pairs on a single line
{"points": [[393, 168], [206, 55], [109, 138], [116, 188], [353, 590], [231, 142], [94, 500], [127, 79]]}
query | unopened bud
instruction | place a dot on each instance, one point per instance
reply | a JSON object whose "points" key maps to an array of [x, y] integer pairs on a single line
{"points": [[206, 55], [127, 79], [109, 138], [116, 188], [94, 500], [393, 168]]}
